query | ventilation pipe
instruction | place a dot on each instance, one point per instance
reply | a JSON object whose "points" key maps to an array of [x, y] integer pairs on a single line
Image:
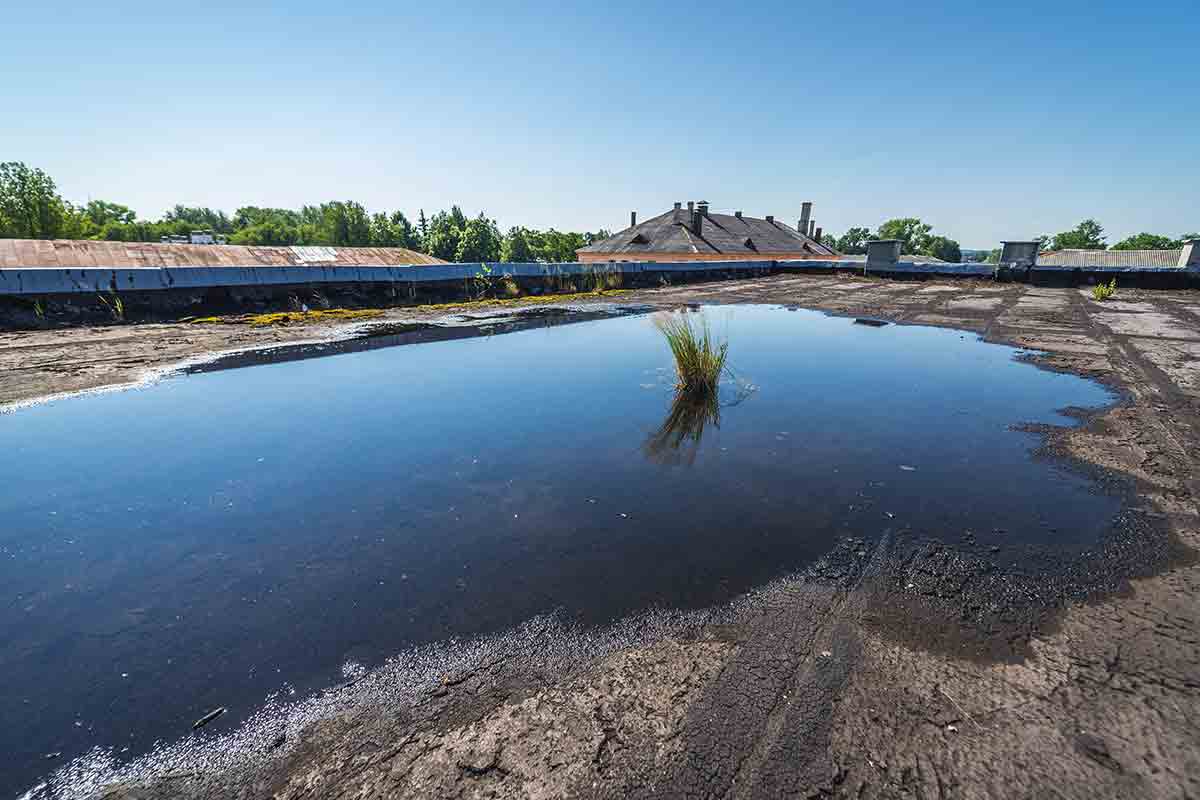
{"points": [[771, 218], [632, 218]]}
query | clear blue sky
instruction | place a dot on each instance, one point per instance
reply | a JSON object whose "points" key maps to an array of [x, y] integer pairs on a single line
{"points": [[988, 121]]}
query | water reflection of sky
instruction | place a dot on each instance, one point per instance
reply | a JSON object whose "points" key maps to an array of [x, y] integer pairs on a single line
{"points": [[206, 540]]}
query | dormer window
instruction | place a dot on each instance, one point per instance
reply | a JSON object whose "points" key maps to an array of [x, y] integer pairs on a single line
{"points": [[639, 238], [750, 244]]}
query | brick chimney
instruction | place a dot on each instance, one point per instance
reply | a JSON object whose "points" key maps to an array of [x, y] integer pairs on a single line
{"points": [[805, 213]]}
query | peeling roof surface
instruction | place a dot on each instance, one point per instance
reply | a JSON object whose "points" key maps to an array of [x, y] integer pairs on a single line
{"points": [[90, 254], [724, 234], [1110, 258]]}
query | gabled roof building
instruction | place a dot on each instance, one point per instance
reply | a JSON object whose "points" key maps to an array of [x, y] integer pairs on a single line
{"points": [[697, 234]]}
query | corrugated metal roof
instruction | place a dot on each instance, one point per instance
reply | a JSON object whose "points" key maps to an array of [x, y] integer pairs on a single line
{"points": [[1110, 258], [725, 234], [86, 253]]}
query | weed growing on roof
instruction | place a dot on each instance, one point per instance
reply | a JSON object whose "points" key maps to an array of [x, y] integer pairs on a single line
{"points": [[1103, 291], [115, 306]]}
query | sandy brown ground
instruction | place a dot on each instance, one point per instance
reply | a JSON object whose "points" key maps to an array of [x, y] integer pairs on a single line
{"points": [[815, 694]]}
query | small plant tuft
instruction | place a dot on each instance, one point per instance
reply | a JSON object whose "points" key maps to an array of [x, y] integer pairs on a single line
{"points": [[1102, 291], [115, 306], [699, 359]]}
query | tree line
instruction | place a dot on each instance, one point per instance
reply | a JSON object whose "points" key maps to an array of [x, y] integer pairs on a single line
{"points": [[32, 208], [916, 238], [1089, 235]]}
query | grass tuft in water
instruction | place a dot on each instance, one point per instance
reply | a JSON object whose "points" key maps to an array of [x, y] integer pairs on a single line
{"points": [[1102, 291], [699, 358]]}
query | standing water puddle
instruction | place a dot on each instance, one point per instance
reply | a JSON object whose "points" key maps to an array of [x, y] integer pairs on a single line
{"points": [[220, 536]]}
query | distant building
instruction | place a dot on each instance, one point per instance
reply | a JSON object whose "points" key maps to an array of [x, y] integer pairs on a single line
{"points": [[697, 234], [1112, 258], [86, 253]]}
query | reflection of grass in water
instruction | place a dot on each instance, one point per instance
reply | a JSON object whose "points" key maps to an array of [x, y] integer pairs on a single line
{"points": [[677, 440], [699, 367], [699, 359]]}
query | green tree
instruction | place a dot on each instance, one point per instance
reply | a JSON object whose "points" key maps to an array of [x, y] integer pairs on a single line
{"points": [[422, 230], [382, 234], [101, 212], [1087, 235], [274, 230], [517, 247], [201, 218], [404, 232], [480, 241], [1148, 241], [943, 248], [853, 241], [30, 206], [248, 216], [443, 232], [558, 246], [912, 233]]}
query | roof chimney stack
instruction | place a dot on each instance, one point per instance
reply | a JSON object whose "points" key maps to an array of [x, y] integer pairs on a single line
{"points": [[818, 236], [632, 218], [811, 226], [805, 213], [771, 218], [702, 207], [737, 214]]}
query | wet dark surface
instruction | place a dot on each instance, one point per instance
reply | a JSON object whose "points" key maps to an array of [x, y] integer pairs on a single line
{"points": [[221, 536]]}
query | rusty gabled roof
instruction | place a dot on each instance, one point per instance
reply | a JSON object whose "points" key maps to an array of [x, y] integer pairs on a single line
{"points": [[77, 254], [738, 237]]}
